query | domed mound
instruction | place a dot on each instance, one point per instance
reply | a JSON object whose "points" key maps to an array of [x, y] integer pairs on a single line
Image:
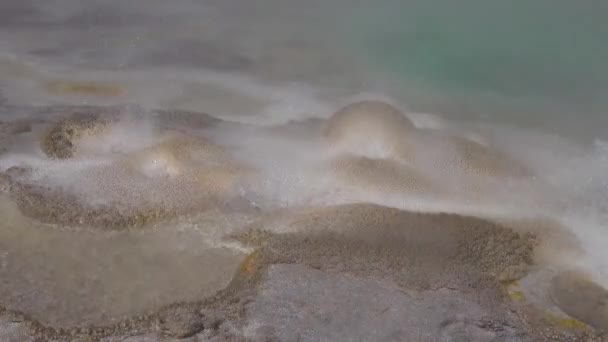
{"points": [[173, 154], [188, 159], [180, 174], [372, 128]]}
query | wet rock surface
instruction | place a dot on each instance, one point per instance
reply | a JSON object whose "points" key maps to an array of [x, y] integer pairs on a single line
{"points": [[304, 304]]}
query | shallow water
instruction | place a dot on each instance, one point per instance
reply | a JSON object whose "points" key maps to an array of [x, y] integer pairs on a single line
{"points": [[527, 77], [66, 278]]}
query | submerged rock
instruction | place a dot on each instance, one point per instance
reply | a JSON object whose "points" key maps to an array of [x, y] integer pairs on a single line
{"points": [[192, 53], [85, 88], [10, 130], [15, 127], [179, 119]]}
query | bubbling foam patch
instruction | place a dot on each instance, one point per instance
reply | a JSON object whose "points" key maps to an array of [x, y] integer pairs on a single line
{"points": [[117, 179]]}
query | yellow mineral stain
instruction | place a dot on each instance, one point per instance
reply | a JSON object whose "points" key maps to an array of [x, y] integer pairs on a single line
{"points": [[85, 88], [513, 291], [517, 296], [248, 265], [567, 322]]}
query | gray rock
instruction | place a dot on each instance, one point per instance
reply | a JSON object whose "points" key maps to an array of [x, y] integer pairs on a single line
{"points": [[138, 338], [11, 331], [181, 321], [296, 303]]}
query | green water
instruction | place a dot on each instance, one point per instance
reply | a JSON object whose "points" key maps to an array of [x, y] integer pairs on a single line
{"points": [[518, 55]]}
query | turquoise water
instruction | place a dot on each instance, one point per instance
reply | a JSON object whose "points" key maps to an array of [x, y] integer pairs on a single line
{"points": [[528, 58], [542, 63]]}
